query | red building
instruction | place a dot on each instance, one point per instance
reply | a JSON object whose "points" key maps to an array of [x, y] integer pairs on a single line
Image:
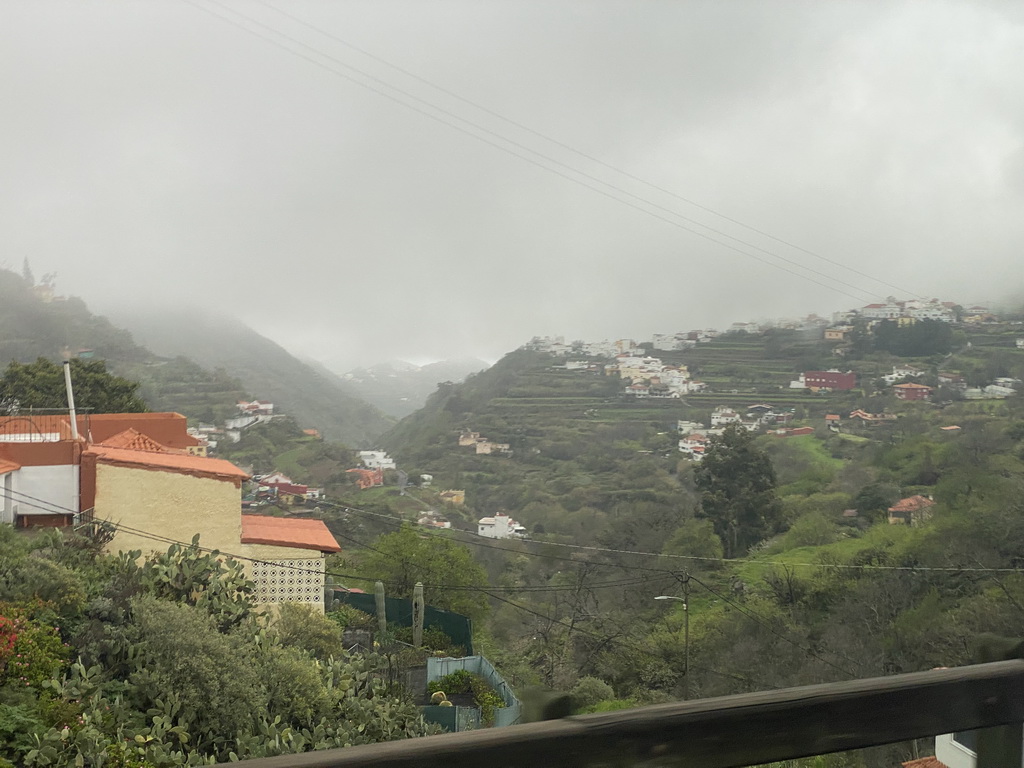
{"points": [[830, 380], [912, 391]]}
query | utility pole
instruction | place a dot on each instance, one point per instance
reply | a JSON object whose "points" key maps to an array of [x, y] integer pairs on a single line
{"points": [[686, 638], [685, 600]]}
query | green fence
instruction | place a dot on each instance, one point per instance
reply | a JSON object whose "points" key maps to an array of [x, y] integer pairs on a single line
{"points": [[510, 714], [399, 611], [453, 719]]}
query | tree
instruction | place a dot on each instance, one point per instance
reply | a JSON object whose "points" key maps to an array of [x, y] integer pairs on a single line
{"points": [[737, 486], [41, 385], [402, 558]]}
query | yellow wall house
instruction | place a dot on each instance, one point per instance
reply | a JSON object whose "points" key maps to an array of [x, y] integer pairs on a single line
{"points": [[153, 494], [149, 493]]}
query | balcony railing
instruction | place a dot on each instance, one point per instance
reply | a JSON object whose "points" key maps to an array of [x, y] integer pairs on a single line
{"points": [[748, 729]]}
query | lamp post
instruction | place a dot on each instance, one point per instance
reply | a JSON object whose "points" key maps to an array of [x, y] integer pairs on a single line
{"points": [[686, 635]]}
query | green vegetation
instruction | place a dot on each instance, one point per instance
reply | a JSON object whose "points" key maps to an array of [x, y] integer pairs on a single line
{"points": [[461, 681], [737, 486], [41, 385], [403, 558], [164, 662]]}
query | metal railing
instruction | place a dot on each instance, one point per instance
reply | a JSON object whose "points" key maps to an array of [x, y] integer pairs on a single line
{"points": [[748, 729]]}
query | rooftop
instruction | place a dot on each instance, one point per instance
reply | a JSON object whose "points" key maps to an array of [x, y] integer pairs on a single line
{"points": [[288, 532], [199, 466], [912, 504]]}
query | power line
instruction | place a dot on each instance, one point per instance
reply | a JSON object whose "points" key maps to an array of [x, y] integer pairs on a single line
{"points": [[763, 622], [576, 151], [58, 509], [533, 161], [693, 558]]}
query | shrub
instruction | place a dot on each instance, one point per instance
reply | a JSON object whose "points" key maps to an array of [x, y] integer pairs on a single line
{"points": [[588, 691], [299, 626], [211, 679]]}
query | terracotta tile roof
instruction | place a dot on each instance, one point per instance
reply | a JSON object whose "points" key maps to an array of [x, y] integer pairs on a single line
{"points": [[910, 385], [925, 762], [8, 466], [200, 466], [912, 504], [168, 429], [133, 440], [288, 532]]}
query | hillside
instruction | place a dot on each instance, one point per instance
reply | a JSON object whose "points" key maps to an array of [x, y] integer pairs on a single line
{"points": [[829, 590], [35, 324], [312, 397]]}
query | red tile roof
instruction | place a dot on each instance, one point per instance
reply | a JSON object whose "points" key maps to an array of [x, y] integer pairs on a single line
{"points": [[182, 463], [168, 429], [911, 385], [288, 532], [8, 466], [133, 440], [912, 504]]}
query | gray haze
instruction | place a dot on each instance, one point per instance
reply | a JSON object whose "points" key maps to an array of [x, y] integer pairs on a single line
{"points": [[157, 152]]}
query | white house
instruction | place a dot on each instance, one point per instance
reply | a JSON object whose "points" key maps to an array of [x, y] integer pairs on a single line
{"points": [[724, 415], [888, 311], [500, 527], [600, 349], [376, 460]]}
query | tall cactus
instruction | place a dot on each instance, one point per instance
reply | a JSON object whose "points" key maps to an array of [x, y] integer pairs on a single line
{"points": [[417, 615], [382, 611]]}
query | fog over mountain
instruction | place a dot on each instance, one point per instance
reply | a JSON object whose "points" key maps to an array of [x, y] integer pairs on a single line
{"points": [[364, 181]]}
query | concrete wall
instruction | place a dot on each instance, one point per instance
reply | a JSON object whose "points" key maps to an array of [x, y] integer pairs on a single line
{"points": [[57, 484], [168, 504]]}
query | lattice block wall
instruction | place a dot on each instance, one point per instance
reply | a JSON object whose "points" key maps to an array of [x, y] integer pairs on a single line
{"points": [[290, 581]]}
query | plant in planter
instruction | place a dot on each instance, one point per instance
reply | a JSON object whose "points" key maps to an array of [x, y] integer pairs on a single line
{"points": [[462, 681]]}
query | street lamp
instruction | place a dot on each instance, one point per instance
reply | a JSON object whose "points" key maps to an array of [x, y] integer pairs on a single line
{"points": [[686, 636]]}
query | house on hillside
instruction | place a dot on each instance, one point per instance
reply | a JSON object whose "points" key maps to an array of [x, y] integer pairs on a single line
{"points": [[453, 496], [376, 460], [467, 438], [912, 391], [828, 380], [838, 332], [871, 418], [256, 407], [367, 478], [500, 527], [888, 311], [723, 415], [911, 511]]}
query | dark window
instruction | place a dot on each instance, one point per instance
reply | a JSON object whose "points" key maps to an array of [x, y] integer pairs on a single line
{"points": [[967, 739]]}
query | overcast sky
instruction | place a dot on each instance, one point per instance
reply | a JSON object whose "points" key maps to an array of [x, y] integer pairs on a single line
{"points": [[371, 180]]}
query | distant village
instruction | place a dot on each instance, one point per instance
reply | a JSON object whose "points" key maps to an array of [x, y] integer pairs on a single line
{"points": [[647, 376]]}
